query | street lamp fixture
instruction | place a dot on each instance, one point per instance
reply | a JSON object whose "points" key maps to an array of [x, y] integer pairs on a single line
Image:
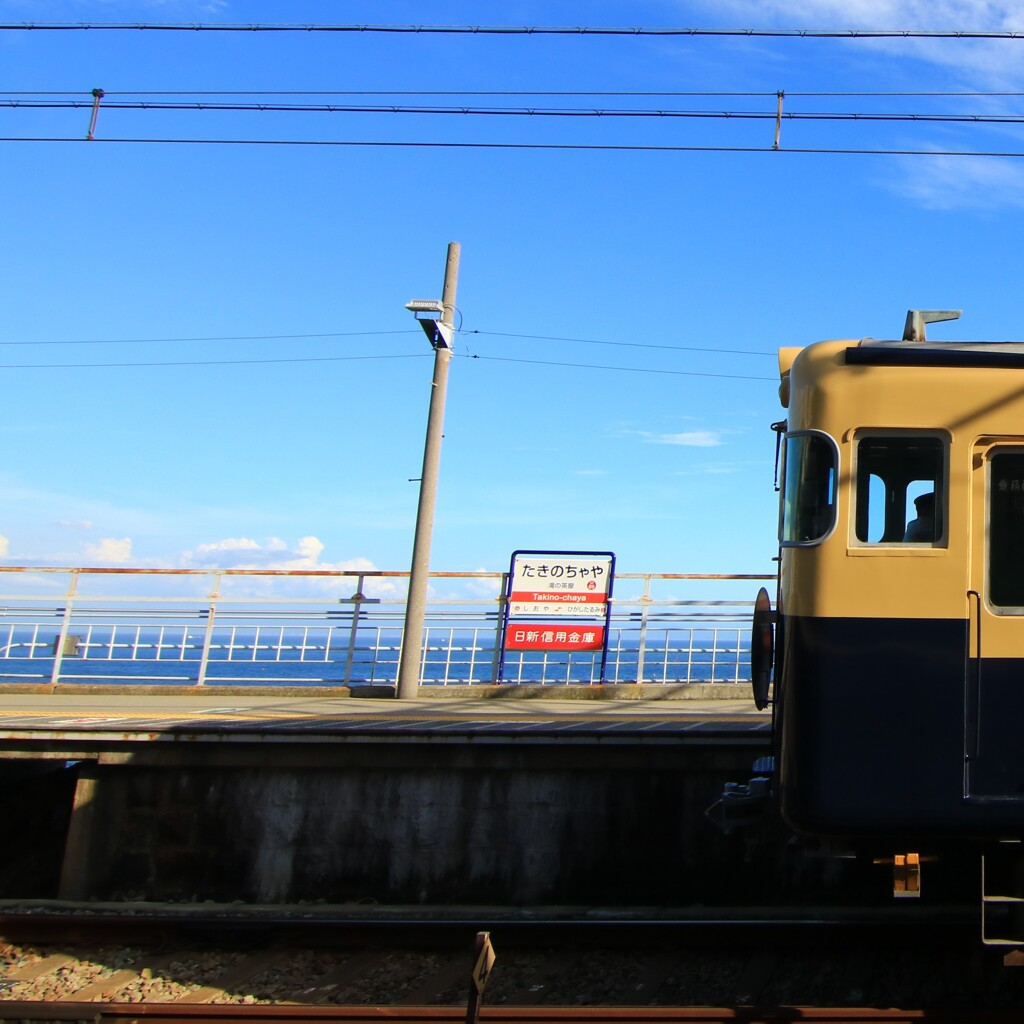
{"points": [[430, 316], [426, 306]]}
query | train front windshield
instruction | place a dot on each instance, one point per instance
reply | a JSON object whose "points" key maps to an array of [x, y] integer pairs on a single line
{"points": [[809, 488]]}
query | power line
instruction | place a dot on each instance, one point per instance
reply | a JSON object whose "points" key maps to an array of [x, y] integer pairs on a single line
{"points": [[772, 94], [620, 369], [528, 112], [239, 337], [335, 359], [557, 146], [204, 362], [627, 344], [513, 30], [331, 359], [367, 334]]}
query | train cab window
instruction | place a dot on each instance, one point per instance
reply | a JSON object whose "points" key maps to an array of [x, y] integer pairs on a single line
{"points": [[1006, 530], [901, 490], [808, 488]]}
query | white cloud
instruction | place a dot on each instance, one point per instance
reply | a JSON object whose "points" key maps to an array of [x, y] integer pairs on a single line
{"points": [[684, 438], [110, 549], [477, 589], [103, 10], [688, 438], [180, 8], [5, 546], [271, 553], [940, 64], [310, 547], [75, 524], [995, 61], [230, 544], [727, 469], [275, 555], [975, 15], [948, 182]]}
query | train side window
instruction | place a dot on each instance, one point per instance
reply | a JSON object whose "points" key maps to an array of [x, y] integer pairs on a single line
{"points": [[1006, 531], [810, 470], [901, 490]]}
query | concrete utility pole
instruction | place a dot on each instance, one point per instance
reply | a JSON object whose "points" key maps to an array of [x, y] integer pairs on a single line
{"points": [[440, 333]]}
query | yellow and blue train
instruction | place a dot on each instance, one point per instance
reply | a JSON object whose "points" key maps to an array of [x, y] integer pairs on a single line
{"points": [[898, 658]]}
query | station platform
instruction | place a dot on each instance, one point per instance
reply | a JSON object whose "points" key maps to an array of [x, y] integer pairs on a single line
{"points": [[317, 796], [82, 724]]}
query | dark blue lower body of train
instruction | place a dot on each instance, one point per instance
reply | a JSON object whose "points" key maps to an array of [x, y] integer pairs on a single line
{"points": [[888, 729]]}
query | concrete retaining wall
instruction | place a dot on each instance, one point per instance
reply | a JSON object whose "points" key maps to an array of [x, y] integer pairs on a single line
{"points": [[488, 824]]}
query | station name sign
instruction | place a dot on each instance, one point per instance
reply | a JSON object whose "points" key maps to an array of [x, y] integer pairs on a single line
{"points": [[558, 601], [560, 584]]}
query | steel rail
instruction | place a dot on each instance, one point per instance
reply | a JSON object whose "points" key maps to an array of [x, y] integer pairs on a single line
{"points": [[173, 1013], [434, 927]]}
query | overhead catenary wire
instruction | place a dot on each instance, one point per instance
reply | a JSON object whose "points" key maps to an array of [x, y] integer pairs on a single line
{"points": [[512, 30], [522, 92], [525, 146], [852, 33], [528, 112], [773, 112], [579, 30]]}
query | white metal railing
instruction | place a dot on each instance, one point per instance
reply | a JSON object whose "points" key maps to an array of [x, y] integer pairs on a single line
{"points": [[323, 628]]}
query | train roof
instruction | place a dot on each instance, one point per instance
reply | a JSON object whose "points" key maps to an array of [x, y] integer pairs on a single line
{"points": [[913, 350], [1003, 355], [1009, 354]]}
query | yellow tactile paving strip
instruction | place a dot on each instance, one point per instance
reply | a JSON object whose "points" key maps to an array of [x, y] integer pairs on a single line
{"points": [[25, 713]]}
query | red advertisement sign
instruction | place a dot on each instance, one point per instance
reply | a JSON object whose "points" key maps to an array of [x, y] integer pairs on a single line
{"points": [[541, 636]]}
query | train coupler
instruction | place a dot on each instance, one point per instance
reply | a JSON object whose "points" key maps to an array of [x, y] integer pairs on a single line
{"points": [[741, 804]]}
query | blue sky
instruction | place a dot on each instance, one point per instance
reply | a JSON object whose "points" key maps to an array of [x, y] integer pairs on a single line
{"points": [[677, 274]]}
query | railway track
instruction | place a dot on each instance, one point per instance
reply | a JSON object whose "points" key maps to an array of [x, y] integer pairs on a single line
{"points": [[455, 1015], [554, 1015], [84, 967]]}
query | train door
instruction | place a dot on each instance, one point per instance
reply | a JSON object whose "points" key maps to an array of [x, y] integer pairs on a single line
{"points": [[994, 720]]}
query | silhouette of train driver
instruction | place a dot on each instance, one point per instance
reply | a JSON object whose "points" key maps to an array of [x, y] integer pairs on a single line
{"points": [[922, 529]]}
